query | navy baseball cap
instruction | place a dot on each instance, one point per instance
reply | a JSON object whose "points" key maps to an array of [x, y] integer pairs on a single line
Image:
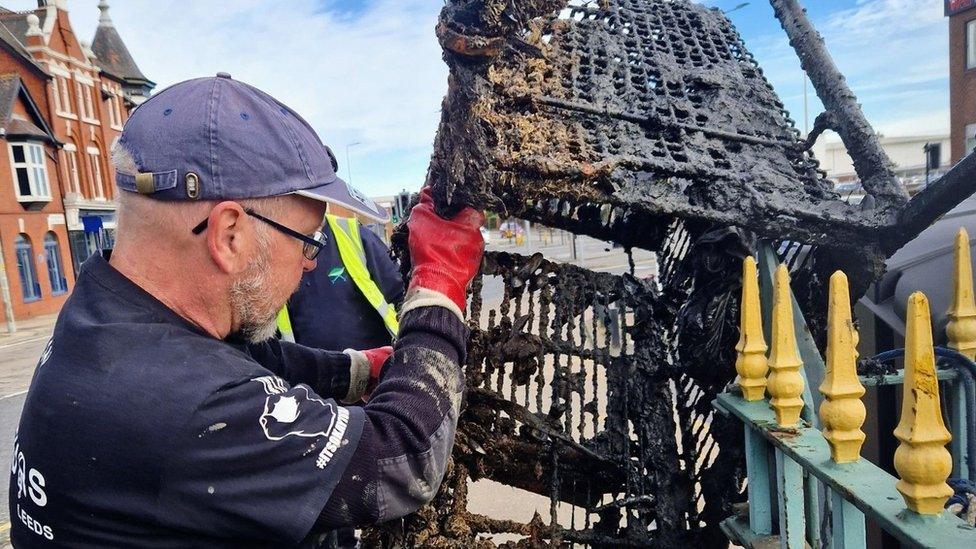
{"points": [[220, 139]]}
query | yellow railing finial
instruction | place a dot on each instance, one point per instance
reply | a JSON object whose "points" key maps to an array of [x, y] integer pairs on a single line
{"points": [[962, 311], [922, 461], [842, 411], [750, 361], [785, 383]]}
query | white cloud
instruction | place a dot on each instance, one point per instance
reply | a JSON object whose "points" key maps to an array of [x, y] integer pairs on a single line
{"points": [[891, 18], [894, 54], [929, 123], [374, 76]]}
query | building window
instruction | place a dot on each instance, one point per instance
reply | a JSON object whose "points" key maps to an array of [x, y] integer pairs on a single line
{"points": [[64, 100], [95, 165], [118, 109], [71, 166], [114, 113], [971, 44], [89, 106], [29, 284], [56, 93], [970, 138], [80, 250], [30, 171], [55, 270], [85, 101]]}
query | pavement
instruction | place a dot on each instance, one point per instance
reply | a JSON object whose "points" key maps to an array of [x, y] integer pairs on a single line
{"points": [[558, 245], [18, 357]]}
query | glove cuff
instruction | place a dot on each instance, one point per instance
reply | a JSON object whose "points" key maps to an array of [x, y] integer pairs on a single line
{"points": [[418, 297], [437, 279], [358, 375]]}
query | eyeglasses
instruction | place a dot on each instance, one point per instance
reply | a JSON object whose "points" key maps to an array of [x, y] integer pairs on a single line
{"points": [[313, 244]]}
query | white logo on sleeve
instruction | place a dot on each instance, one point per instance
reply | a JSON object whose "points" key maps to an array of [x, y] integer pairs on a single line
{"points": [[335, 440], [273, 385], [297, 413], [285, 410]]}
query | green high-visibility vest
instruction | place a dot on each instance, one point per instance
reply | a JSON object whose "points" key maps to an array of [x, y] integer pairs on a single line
{"points": [[353, 255], [284, 325]]}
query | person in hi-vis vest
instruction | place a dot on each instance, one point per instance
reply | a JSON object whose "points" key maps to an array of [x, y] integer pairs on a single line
{"points": [[358, 281], [346, 302]]}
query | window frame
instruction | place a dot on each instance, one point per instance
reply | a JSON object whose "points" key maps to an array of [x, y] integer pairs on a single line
{"points": [[56, 92], [970, 138], [30, 289], [86, 105], [34, 165], [114, 112], [970, 44], [63, 90], [72, 175], [55, 268], [95, 171], [89, 102], [118, 109]]}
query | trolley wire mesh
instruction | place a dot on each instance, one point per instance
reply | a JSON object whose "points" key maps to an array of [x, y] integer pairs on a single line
{"points": [[648, 123]]}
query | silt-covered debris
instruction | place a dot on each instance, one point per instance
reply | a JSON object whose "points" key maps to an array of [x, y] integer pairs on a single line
{"points": [[647, 123]]}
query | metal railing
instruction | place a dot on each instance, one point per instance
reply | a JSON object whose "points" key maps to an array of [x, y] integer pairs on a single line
{"points": [[793, 464]]}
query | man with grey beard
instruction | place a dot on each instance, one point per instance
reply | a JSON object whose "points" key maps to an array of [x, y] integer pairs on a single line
{"points": [[163, 414]]}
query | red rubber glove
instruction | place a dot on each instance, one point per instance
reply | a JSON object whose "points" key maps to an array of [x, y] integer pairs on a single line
{"points": [[377, 358], [445, 254]]}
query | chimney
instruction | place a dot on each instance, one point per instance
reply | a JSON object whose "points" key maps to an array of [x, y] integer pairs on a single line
{"points": [[35, 37], [60, 4]]}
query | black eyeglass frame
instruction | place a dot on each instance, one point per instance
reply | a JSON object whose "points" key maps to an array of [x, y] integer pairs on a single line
{"points": [[313, 246]]}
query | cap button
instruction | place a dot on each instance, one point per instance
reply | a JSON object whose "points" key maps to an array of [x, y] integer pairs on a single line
{"points": [[223, 75]]}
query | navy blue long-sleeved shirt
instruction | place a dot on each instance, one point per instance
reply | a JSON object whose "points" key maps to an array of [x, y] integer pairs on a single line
{"points": [[139, 429]]}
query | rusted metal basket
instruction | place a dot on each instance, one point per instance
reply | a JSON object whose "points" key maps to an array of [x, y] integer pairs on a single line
{"points": [[648, 123]]}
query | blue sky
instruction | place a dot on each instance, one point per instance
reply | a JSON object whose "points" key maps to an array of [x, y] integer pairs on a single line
{"points": [[895, 54], [370, 72]]}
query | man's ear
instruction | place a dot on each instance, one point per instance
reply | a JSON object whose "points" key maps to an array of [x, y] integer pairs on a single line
{"points": [[227, 240]]}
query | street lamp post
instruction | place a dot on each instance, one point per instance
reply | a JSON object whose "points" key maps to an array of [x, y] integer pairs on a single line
{"points": [[348, 163], [927, 151]]}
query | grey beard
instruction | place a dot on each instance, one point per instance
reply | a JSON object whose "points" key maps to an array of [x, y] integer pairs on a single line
{"points": [[261, 332], [249, 301]]}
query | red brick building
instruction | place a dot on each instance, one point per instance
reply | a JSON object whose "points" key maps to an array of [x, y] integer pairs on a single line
{"points": [[962, 76], [33, 233], [76, 101]]}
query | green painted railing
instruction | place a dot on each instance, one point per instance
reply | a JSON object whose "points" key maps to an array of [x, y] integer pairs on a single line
{"points": [[858, 490], [800, 463]]}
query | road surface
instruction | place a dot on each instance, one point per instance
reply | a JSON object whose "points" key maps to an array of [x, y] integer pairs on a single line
{"points": [[17, 363]]}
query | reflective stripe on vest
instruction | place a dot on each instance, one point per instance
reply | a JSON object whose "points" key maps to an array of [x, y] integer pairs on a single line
{"points": [[284, 325], [353, 255]]}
